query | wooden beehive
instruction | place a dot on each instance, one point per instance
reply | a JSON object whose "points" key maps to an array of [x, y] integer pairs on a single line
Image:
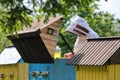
{"points": [[49, 32], [25, 71], [51, 71], [106, 72], [18, 70], [98, 59], [9, 69], [14, 71]]}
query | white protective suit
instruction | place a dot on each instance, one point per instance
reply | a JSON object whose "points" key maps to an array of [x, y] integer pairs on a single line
{"points": [[82, 34]]}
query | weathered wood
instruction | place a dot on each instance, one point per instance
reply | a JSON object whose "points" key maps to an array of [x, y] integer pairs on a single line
{"points": [[31, 47], [51, 40], [9, 72], [23, 71]]}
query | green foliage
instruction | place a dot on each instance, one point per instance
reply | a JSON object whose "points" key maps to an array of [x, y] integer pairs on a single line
{"points": [[103, 23], [15, 14], [4, 42], [18, 13], [70, 38]]}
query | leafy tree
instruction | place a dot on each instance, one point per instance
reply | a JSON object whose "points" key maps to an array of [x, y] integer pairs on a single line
{"points": [[103, 23], [18, 13], [4, 42]]}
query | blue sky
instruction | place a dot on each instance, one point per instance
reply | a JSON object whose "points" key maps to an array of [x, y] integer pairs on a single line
{"points": [[112, 6]]}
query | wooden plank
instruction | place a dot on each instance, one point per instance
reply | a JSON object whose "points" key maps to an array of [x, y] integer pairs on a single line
{"points": [[50, 42], [26, 71], [99, 73], [86, 72], [111, 75], [52, 53], [93, 72], [9, 69], [50, 46], [20, 72], [80, 73], [5, 72], [15, 71], [76, 71], [104, 72], [50, 37], [1, 71], [83, 72], [23, 71], [89, 72], [58, 21], [117, 72], [54, 26], [51, 49], [90, 78]]}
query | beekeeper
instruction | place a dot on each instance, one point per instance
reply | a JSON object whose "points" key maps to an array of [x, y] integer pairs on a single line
{"points": [[81, 29]]}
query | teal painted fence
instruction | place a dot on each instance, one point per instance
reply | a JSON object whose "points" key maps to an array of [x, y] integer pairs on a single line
{"points": [[56, 71]]}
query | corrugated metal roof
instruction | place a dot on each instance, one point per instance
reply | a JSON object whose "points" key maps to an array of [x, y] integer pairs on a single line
{"points": [[96, 51], [9, 56]]}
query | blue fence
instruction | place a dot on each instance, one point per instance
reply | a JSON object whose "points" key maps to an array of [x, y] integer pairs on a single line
{"points": [[56, 71]]}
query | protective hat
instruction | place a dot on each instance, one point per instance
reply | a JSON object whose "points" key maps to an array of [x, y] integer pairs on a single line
{"points": [[81, 28]]}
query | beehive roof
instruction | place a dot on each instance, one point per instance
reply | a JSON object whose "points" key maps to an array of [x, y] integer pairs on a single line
{"points": [[39, 25], [9, 56], [30, 44], [96, 51], [31, 48]]}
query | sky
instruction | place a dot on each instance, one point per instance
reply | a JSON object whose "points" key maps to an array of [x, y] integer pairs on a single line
{"points": [[112, 6]]}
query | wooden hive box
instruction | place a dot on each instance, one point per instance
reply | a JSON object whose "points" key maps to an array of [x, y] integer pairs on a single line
{"points": [[50, 33], [98, 59], [16, 69], [37, 43], [51, 71], [10, 69]]}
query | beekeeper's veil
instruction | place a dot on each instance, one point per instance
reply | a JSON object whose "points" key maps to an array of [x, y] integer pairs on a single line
{"points": [[81, 28]]}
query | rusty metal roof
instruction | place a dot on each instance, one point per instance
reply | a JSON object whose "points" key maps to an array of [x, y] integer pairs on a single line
{"points": [[96, 51]]}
